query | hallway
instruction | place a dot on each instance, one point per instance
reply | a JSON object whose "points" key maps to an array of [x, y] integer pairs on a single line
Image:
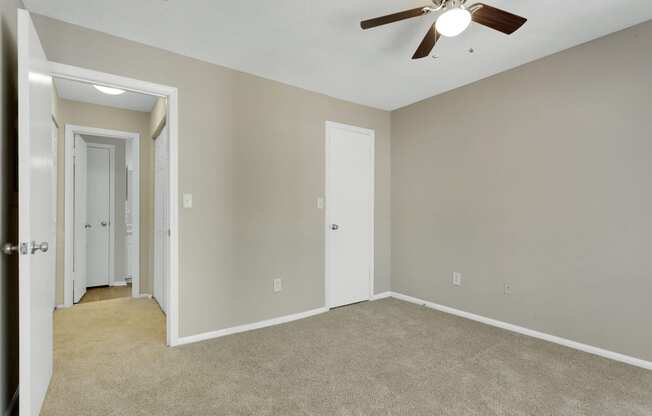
{"points": [[102, 352], [95, 294]]}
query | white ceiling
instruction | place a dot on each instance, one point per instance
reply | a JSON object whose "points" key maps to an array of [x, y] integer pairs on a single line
{"points": [[86, 93], [319, 46]]}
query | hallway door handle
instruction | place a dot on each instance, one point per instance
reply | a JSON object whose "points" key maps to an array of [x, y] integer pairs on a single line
{"points": [[39, 246], [9, 249], [104, 223]]}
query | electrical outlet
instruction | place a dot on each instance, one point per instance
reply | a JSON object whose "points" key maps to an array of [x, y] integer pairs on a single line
{"points": [[508, 289], [457, 279], [278, 285]]}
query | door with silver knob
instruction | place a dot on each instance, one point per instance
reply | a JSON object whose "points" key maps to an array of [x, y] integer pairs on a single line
{"points": [[99, 166], [36, 197], [349, 214], [82, 224]]}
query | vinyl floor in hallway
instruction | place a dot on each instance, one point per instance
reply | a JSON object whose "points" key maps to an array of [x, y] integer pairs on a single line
{"points": [[385, 357], [95, 294]]}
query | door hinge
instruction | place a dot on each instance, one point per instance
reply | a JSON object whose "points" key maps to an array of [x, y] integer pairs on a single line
{"points": [[169, 233]]}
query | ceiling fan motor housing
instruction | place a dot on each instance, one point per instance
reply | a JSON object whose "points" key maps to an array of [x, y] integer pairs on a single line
{"points": [[449, 4]]}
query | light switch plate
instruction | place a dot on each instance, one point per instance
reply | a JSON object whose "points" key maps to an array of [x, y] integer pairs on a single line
{"points": [[320, 202], [187, 200], [278, 285], [457, 279]]}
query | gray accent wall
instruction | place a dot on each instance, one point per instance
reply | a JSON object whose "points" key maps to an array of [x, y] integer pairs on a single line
{"points": [[251, 151], [541, 178], [8, 201]]}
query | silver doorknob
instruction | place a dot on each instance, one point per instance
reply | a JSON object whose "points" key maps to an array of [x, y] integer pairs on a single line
{"points": [[39, 246], [87, 226], [9, 249], [104, 223], [335, 227]]}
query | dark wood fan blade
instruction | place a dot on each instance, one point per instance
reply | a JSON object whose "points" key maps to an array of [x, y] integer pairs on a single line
{"points": [[496, 19], [427, 43], [391, 18]]}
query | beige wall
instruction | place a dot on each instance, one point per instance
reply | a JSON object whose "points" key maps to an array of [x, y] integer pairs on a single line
{"points": [[8, 202], [539, 177], [252, 153], [91, 115]]}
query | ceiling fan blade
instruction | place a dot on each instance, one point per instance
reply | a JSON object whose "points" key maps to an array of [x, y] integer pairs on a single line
{"points": [[427, 43], [391, 18], [496, 19]]}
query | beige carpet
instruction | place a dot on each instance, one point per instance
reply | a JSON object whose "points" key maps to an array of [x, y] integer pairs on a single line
{"points": [[376, 358]]}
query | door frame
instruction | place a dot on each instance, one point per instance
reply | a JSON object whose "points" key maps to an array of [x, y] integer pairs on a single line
{"points": [[329, 126], [171, 94], [157, 211], [70, 131], [111, 149], [55, 183]]}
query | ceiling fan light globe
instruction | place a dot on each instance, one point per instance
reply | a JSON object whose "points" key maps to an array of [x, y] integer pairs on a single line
{"points": [[453, 22]]}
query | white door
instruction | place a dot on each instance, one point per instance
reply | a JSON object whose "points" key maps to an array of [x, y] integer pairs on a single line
{"points": [[130, 246], [349, 214], [35, 199], [161, 248], [53, 247], [82, 226], [98, 205]]}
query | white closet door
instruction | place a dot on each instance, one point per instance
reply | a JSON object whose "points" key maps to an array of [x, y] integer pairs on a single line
{"points": [[82, 226], [349, 213], [99, 214]]}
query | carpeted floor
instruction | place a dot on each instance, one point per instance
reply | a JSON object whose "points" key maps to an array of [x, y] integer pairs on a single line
{"points": [[376, 358]]}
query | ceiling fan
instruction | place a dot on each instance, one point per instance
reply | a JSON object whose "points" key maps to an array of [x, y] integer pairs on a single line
{"points": [[453, 20]]}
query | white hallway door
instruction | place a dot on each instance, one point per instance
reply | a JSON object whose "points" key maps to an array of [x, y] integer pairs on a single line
{"points": [[98, 206], [36, 196], [349, 214], [82, 226], [162, 226]]}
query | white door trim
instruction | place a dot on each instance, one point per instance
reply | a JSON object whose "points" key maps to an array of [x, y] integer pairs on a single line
{"points": [[160, 247], [172, 117], [70, 131], [329, 125], [111, 149]]}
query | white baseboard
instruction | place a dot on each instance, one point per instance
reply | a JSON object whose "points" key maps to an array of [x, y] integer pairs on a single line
{"points": [[119, 283], [248, 327], [383, 295], [60, 306], [529, 332], [144, 295], [12, 403]]}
